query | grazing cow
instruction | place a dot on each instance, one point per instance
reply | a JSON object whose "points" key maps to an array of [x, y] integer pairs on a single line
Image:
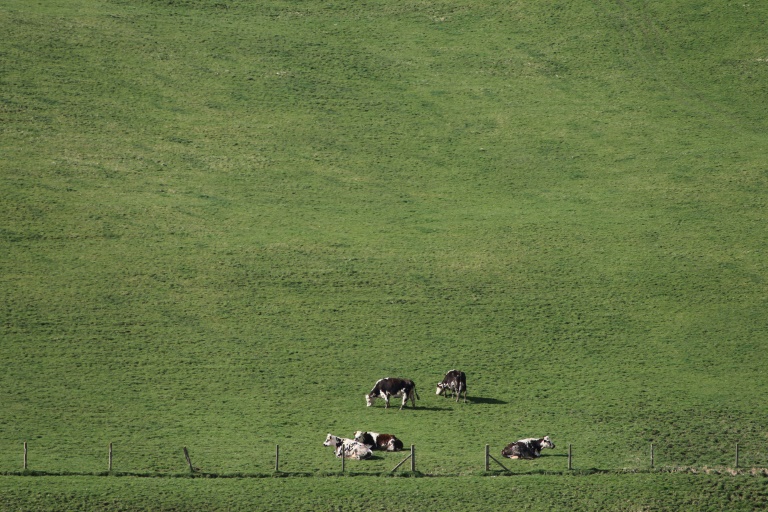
{"points": [[527, 448], [455, 381], [349, 447], [376, 441], [392, 387]]}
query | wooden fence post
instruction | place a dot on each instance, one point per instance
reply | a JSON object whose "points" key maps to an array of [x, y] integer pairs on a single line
{"points": [[25, 455], [651, 455], [737, 455], [277, 458], [489, 457], [570, 457], [189, 461], [411, 456], [110, 457], [343, 456]]}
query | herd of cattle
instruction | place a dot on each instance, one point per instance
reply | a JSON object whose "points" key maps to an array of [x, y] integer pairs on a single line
{"points": [[362, 444]]}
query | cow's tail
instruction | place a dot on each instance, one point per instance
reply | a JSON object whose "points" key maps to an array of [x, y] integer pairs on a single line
{"points": [[415, 393]]}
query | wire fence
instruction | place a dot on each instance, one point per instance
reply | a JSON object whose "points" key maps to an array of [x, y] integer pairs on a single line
{"points": [[487, 465]]}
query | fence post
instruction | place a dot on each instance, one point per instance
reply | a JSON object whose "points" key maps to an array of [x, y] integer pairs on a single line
{"points": [[277, 458], [489, 457], [411, 456], [25, 455], [651, 455], [109, 467], [189, 461], [737, 455], [570, 457], [343, 456]]}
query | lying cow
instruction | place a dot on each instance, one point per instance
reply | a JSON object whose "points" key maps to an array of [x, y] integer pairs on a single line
{"points": [[455, 381], [376, 441], [392, 387], [527, 448], [350, 448]]}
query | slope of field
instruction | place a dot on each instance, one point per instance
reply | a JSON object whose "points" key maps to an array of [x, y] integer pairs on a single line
{"points": [[222, 222]]}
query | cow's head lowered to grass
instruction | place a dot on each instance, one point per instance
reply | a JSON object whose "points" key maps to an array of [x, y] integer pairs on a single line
{"points": [[392, 387]]}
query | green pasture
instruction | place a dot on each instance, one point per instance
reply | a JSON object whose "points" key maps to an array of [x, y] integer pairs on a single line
{"points": [[538, 493], [222, 221]]}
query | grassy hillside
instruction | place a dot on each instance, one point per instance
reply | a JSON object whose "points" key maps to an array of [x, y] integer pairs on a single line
{"points": [[221, 223]]}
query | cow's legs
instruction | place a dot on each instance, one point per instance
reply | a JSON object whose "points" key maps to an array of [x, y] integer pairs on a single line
{"points": [[386, 401], [405, 399]]}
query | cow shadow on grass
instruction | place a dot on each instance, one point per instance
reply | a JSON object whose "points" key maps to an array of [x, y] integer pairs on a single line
{"points": [[484, 400], [418, 408]]}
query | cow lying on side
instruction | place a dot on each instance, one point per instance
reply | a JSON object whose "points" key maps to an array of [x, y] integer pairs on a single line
{"points": [[455, 381], [349, 447], [393, 387], [376, 441], [527, 448]]}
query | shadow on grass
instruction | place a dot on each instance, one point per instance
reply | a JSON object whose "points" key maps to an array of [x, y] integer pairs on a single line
{"points": [[517, 471], [421, 408], [483, 400]]}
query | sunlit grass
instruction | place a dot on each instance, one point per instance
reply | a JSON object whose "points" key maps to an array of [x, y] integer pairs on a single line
{"points": [[220, 224]]}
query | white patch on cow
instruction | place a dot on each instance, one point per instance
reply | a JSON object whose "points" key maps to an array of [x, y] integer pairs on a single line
{"points": [[348, 448], [359, 436], [383, 392], [528, 448]]}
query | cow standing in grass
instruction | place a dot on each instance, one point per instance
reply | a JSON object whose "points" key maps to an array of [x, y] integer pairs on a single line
{"points": [[527, 448], [393, 387], [455, 381]]}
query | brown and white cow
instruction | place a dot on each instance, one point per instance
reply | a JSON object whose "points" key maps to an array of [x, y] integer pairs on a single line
{"points": [[455, 381], [350, 448], [527, 448], [393, 387], [376, 441]]}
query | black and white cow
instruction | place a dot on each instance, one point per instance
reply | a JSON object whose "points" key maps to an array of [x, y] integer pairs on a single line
{"points": [[376, 441], [455, 381], [349, 447], [393, 387], [527, 448]]}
